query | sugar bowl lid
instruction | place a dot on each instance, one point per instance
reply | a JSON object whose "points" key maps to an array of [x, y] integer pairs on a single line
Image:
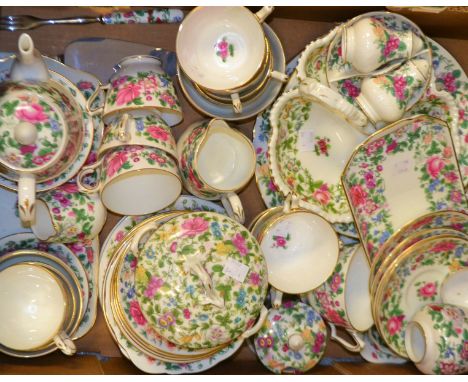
{"points": [[292, 339], [201, 280], [32, 126]]}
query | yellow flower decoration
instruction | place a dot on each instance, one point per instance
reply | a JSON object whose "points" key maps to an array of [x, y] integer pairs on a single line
{"points": [[169, 233], [140, 275], [223, 249], [455, 266]]}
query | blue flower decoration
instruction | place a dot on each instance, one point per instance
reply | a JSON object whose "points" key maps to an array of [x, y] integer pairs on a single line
{"points": [[131, 292], [140, 125], [216, 229]]}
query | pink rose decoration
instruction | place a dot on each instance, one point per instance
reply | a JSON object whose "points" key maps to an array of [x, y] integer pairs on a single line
{"points": [[333, 316], [394, 324], [319, 340], [27, 149], [449, 83], [335, 284], [70, 188], [127, 94], [451, 177], [84, 85], [391, 45], [399, 84], [254, 278], [370, 180], [239, 243], [280, 241], [157, 132], [33, 113], [186, 313], [322, 194], [456, 196], [117, 161], [195, 226], [434, 166], [168, 98], [358, 195], [443, 247], [428, 290], [136, 313], [392, 146], [153, 286], [119, 236], [173, 247], [448, 368], [352, 90]]}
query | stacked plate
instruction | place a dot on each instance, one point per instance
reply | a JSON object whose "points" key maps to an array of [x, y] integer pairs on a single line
{"points": [[184, 288]]}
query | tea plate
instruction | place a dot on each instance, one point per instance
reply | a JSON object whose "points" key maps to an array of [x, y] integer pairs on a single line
{"points": [[414, 281], [376, 351], [201, 280], [417, 154], [249, 107]]}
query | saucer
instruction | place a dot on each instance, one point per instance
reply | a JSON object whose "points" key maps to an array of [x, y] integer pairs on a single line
{"points": [[250, 107]]}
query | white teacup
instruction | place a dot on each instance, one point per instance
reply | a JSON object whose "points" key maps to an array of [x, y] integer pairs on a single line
{"points": [[32, 309]]}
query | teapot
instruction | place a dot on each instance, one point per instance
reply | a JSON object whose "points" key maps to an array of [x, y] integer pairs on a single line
{"points": [[41, 127]]}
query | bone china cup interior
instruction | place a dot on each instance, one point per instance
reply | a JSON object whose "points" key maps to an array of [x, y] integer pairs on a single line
{"points": [[32, 307], [220, 48], [301, 250]]}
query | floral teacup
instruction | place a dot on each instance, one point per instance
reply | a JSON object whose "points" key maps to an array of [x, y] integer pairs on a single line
{"points": [[436, 339], [344, 299], [215, 162], [67, 215], [139, 127], [140, 83], [134, 180]]}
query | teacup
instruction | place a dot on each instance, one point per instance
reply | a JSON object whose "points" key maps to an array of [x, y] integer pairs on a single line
{"points": [[385, 98], [436, 339], [138, 127], [453, 289], [344, 299], [33, 309], [139, 83], [134, 180], [301, 249], [67, 215], [215, 162], [368, 44]]}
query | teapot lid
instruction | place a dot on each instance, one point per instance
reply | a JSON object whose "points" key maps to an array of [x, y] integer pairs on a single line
{"points": [[32, 126]]}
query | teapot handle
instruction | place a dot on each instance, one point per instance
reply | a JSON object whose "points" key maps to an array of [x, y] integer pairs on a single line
{"points": [[254, 329], [93, 97], [27, 198]]}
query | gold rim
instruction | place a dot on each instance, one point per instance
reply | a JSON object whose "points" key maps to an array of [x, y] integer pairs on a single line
{"points": [[397, 234], [260, 65], [384, 131], [261, 216], [199, 147], [373, 280], [163, 109], [377, 301]]}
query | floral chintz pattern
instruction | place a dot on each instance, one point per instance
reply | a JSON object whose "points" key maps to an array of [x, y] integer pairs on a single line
{"points": [[150, 16], [172, 296], [31, 109], [144, 88], [129, 157], [272, 341], [330, 297], [391, 43], [315, 65], [451, 324], [328, 197], [73, 213], [413, 285], [224, 49], [434, 165]]}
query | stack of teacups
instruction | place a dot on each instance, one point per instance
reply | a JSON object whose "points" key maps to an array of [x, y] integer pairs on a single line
{"points": [[223, 51], [137, 168], [41, 304]]}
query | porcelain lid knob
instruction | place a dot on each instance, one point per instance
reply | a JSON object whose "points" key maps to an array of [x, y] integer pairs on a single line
{"points": [[25, 133], [296, 342]]}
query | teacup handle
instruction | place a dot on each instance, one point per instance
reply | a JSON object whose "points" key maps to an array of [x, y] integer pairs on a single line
{"points": [[291, 202], [65, 344], [359, 343], [283, 77], [122, 129], [263, 13], [27, 198], [93, 97], [276, 297], [95, 167], [236, 103], [254, 329], [233, 206]]}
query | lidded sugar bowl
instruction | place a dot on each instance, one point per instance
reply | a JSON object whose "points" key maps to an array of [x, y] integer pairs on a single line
{"points": [[41, 126]]}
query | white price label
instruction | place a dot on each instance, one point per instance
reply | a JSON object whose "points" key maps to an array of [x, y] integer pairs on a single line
{"points": [[235, 269], [306, 140]]}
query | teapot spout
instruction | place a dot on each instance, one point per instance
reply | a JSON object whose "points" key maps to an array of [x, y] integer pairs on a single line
{"points": [[29, 65]]}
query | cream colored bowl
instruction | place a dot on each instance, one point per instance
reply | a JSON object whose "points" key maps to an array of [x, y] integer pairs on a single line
{"points": [[32, 307]]}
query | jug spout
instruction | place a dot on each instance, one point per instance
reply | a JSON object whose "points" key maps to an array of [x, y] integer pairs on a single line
{"points": [[29, 64]]}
